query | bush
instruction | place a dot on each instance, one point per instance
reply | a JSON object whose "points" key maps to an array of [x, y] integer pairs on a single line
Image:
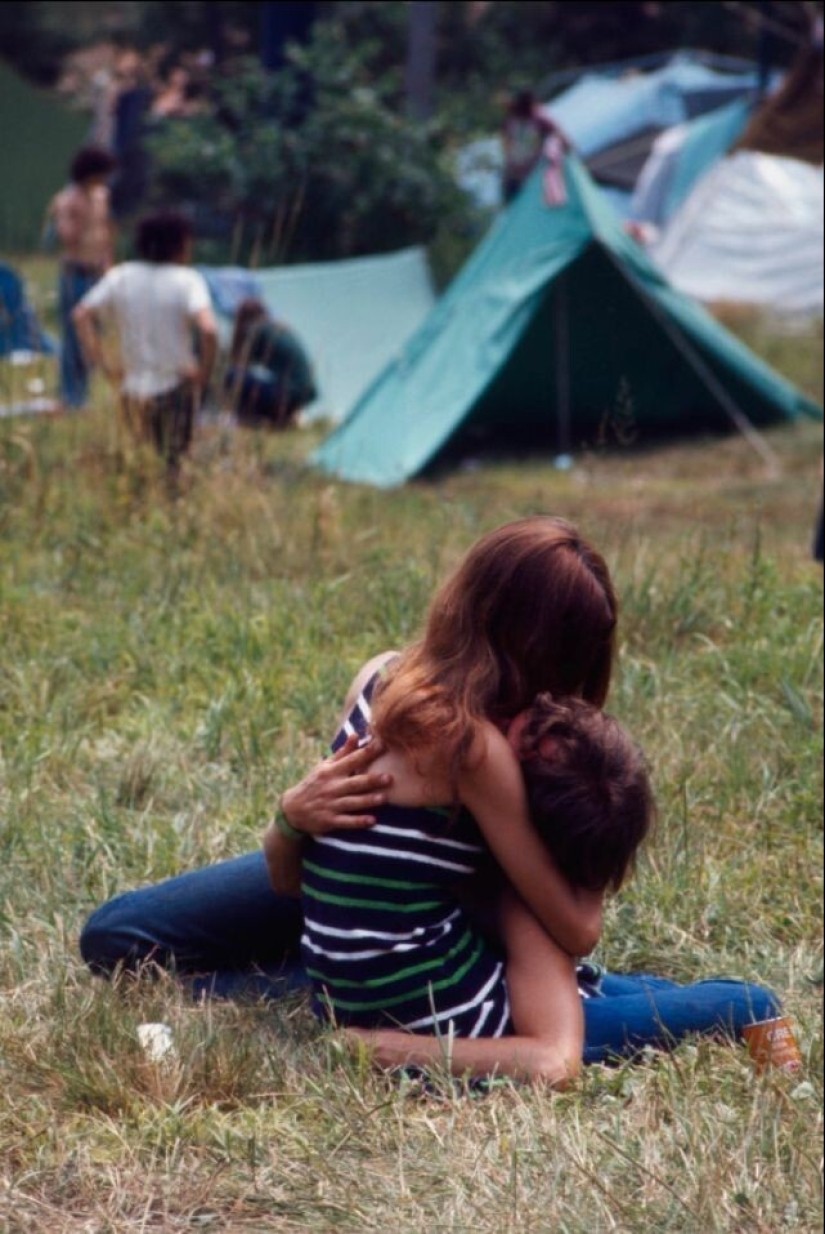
{"points": [[309, 163]]}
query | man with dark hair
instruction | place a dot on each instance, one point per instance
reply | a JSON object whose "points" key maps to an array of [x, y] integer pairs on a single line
{"points": [[81, 217], [155, 303], [163, 237]]}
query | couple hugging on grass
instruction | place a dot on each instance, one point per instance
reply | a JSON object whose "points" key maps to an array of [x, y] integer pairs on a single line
{"points": [[436, 880]]}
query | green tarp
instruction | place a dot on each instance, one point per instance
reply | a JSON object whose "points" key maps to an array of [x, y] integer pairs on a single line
{"points": [[558, 331]]}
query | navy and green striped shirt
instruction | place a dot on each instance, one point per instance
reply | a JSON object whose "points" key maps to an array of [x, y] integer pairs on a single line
{"points": [[385, 941]]}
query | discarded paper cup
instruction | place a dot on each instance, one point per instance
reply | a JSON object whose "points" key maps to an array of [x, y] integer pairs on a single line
{"points": [[157, 1041], [772, 1043]]}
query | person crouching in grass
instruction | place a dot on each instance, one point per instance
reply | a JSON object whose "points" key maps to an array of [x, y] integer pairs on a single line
{"points": [[155, 303]]}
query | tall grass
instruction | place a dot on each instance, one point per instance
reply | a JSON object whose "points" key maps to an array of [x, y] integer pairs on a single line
{"points": [[168, 666]]}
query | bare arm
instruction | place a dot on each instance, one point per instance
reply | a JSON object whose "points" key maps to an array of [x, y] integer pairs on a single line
{"points": [[204, 321], [87, 324], [68, 220], [546, 1010], [284, 862], [494, 793]]}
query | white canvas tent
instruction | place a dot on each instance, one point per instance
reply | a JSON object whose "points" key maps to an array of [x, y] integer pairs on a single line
{"points": [[750, 233]]}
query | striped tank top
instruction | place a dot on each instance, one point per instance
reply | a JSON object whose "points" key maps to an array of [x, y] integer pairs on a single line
{"points": [[385, 940]]}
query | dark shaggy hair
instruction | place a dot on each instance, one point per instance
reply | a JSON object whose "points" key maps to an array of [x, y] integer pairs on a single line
{"points": [[162, 237], [588, 788], [91, 161]]}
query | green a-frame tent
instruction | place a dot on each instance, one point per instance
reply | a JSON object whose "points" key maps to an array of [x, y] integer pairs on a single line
{"points": [[558, 325]]}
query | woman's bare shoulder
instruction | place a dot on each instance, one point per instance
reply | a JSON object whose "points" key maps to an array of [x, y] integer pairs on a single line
{"points": [[489, 746]]}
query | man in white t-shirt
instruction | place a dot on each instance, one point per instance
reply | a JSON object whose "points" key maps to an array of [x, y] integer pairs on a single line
{"points": [[158, 305]]}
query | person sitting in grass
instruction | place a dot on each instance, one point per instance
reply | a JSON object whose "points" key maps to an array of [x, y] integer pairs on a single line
{"points": [[531, 609]]}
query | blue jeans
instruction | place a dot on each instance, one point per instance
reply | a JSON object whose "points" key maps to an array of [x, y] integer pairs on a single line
{"points": [[225, 932], [258, 400], [75, 281]]}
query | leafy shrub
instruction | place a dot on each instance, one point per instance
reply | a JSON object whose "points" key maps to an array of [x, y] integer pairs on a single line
{"points": [[309, 163]]}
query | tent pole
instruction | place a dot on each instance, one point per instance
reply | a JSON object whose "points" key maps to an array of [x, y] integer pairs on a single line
{"points": [[731, 409], [562, 371]]}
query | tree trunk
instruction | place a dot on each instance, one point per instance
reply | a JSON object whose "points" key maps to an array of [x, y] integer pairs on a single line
{"points": [[421, 58]]}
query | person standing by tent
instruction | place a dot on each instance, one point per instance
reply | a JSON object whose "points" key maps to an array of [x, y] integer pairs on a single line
{"points": [[526, 130], [156, 302], [80, 216]]}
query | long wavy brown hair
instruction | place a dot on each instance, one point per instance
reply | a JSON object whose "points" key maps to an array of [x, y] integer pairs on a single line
{"points": [[530, 609]]}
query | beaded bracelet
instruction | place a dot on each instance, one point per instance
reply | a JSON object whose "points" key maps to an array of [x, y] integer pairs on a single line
{"points": [[285, 826]]}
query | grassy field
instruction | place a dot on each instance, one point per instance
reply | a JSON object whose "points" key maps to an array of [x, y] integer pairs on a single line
{"points": [[167, 668]]}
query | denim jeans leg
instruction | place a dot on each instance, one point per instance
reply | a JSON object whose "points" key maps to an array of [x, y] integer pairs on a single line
{"points": [[74, 375], [636, 1011], [222, 925]]}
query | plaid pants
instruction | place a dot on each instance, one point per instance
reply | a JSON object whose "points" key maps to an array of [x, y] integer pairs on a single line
{"points": [[167, 420]]}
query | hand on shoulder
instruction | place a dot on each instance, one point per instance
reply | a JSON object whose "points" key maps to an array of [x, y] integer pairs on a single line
{"points": [[342, 791]]}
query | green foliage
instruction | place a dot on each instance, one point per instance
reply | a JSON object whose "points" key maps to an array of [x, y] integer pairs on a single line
{"points": [[32, 40], [192, 24], [35, 35], [310, 162]]}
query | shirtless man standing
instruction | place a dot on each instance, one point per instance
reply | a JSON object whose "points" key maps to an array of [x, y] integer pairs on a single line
{"points": [[81, 217]]}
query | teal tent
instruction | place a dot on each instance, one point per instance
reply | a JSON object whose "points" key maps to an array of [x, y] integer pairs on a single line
{"points": [[682, 156], [558, 329]]}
